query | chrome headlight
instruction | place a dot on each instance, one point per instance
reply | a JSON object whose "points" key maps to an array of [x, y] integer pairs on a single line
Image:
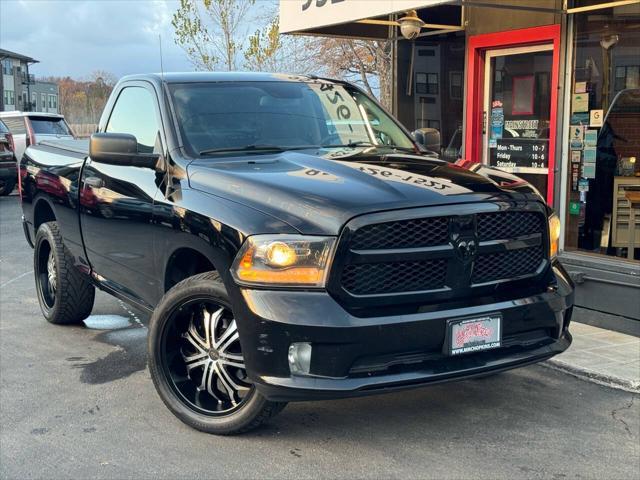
{"points": [[554, 235], [284, 260]]}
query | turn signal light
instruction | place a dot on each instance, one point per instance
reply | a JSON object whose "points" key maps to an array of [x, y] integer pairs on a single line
{"points": [[554, 235]]}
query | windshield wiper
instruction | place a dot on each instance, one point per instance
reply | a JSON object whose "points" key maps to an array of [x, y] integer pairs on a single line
{"points": [[369, 144], [350, 145], [404, 149], [246, 148], [257, 148]]}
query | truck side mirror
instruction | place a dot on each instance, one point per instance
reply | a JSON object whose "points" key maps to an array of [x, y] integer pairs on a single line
{"points": [[429, 138], [119, 149]]}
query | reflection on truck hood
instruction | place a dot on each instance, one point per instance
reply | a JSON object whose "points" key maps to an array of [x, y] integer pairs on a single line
{"points": [[318, 191]]}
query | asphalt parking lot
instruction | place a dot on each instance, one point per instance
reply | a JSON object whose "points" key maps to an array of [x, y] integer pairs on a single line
{"points": [[78, 402]]}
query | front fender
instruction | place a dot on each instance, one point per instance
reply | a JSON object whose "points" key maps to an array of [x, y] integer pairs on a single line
{"points": [[212, 226]]}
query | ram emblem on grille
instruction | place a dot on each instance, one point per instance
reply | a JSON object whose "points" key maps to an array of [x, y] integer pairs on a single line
{"points": [[465, 249]]}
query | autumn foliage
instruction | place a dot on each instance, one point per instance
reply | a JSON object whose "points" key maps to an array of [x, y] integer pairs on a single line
{"points": [[82, 101]]}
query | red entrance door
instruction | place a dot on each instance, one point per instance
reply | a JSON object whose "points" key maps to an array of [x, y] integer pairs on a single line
{"points": [[512, 99]]}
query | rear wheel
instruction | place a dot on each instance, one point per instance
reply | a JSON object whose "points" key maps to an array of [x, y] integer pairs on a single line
{"points": [[6, 186], [196, 360], [65, 295]]}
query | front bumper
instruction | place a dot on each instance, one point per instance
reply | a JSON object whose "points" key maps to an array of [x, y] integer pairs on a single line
{"points": [[354, 356]]}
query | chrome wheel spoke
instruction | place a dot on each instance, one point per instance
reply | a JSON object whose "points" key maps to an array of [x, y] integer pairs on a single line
{"points": [[196, 356], [206, 321], [194, 338], [229, 378], [234, 357], [225, 384], [230, 331], [196, 360], [211, 381], [214, 319], [51, 272], [231, 363], [207, 324], [205, 375], [228, 341]]}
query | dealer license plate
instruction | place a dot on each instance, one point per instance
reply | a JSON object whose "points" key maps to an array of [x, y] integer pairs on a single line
{"points": [[469, 335]]}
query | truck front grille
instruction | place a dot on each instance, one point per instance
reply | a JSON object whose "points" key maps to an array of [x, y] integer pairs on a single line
{"points": [[429, 254], [497, 225], [417, 232], [370, 278], [505, 265]]}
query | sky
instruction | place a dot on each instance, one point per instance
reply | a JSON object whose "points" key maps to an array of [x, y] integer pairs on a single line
{"points": [[76, 37]]}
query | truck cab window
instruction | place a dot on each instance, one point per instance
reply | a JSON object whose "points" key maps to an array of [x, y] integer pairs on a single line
{"points": [[135, 113]]}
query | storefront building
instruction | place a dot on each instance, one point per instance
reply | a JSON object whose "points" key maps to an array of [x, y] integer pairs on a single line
{"points": [[546, 89]]}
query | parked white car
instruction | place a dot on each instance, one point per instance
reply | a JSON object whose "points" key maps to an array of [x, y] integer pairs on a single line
{"points": [[29, 128]]}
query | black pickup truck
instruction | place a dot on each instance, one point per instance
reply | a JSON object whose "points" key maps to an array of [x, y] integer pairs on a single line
{"points": [[293, 242]]}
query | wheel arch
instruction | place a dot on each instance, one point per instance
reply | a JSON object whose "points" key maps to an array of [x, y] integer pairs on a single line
{"points": [[187, 261], [43, 212]]}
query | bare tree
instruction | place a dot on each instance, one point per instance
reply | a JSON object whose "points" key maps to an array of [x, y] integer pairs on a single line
{"points": [[268, 51], [365, 62], [211, 32]]}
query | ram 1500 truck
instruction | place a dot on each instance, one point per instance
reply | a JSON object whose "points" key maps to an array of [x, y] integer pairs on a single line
{"points": [[292, 242]]}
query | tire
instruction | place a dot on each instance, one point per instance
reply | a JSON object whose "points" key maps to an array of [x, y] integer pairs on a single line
{"points": [[196, 362], [6, 186], [67, 297]]}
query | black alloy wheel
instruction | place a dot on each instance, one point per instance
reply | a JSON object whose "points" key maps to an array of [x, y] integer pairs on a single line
{"points": [[65, 294], [202, 357], [196, 361], [46, 275]]}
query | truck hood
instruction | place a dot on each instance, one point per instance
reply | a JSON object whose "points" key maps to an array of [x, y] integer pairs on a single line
{"points": [[318, 191]]}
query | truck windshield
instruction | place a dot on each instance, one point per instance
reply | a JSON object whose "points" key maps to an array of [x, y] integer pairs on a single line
{"points": [[228, 116]]}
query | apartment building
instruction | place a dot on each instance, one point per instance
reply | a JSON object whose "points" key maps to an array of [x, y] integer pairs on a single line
{"points": [[20, 90]]}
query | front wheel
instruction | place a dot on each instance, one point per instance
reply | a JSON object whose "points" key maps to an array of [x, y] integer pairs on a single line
{"points": [[196, 360]]}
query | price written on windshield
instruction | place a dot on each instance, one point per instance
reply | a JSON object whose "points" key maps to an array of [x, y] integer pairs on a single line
{"points": [[342, 110]]}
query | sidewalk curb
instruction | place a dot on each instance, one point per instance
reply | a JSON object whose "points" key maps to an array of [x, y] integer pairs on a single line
{"points": [[586, 374]]}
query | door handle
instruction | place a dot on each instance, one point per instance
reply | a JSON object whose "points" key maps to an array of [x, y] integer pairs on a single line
{"points": [[94, 182]]}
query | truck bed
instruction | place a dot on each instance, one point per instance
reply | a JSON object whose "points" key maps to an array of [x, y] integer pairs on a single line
{"points": [[75, 146]]}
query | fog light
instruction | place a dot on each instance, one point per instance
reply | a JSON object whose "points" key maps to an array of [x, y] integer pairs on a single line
{"points": [[300, 358]]}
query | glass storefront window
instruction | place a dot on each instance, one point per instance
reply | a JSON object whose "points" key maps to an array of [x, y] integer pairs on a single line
{"points": [[433, 74], [517, 100], [603, 214]]}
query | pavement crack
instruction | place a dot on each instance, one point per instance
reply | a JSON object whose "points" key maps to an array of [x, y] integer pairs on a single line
{"points": [[614, 415]]}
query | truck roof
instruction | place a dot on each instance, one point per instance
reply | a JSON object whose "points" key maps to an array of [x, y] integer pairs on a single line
{"points": [[193, 77]]}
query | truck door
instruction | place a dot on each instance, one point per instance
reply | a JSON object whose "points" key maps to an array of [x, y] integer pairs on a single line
{"points": [[116, 202]]}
